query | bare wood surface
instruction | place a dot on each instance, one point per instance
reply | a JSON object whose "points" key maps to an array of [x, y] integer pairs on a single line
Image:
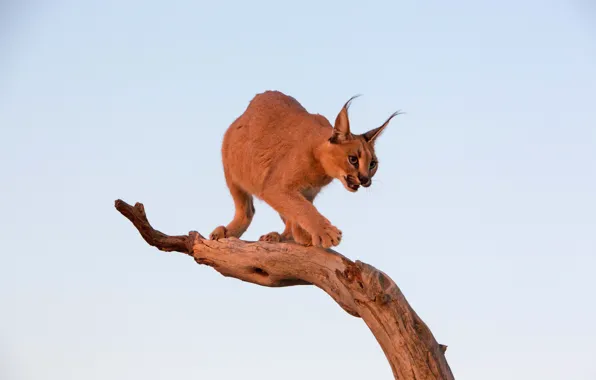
{"points": [[359, 288]]}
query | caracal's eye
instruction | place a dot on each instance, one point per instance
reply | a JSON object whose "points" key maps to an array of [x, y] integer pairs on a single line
{"points": [[373, 164], [353, 160]]}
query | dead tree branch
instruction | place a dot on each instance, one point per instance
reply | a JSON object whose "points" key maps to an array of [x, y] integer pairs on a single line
{"points": [[360, 289]]}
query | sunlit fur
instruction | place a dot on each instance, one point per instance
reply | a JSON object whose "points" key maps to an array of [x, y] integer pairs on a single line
{"points": [[284, 155]]}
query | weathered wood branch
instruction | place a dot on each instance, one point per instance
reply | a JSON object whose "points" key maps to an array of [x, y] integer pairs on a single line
{"points": [[360, 289]]}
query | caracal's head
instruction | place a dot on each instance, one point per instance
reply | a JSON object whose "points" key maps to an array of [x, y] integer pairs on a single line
{"points": [[351, 158]]}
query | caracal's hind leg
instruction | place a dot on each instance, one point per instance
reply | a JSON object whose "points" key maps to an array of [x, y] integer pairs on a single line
{"points": [[286, 235], [245, 211]]}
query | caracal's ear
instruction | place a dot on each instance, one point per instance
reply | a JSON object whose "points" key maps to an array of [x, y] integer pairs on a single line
{"points": [[372, 135], [341, 129]]}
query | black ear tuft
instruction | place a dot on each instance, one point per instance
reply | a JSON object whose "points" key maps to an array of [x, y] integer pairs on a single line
{"points": [[372, 135]]}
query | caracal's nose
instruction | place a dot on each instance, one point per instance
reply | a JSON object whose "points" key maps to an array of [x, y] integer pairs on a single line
{"points": [[365, 181]]}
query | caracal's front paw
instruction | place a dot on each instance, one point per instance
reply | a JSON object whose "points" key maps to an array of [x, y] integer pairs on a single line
{"points": [[273, 237], [219, 233], [327, 236]]}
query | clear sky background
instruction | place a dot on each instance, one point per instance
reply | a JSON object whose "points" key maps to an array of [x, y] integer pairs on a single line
{"points": [[483, 210]]}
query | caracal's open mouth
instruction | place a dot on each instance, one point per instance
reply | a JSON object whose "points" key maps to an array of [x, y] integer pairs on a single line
{"points": [[350, 184]]}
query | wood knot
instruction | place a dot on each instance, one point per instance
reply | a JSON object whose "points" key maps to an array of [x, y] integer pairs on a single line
{"points": [[204, 261], [194, 239], [382, 298], [260, 271], [141, 209], [352, 273]]}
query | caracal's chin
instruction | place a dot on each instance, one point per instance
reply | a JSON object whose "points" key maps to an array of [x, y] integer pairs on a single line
{"points": [[349, 183]]}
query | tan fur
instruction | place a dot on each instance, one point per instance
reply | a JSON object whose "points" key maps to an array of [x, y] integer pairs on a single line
{"points": [[284, 155]]}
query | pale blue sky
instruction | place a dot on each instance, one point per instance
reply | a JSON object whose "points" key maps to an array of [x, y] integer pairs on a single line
{"points": [[483, 210]]}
